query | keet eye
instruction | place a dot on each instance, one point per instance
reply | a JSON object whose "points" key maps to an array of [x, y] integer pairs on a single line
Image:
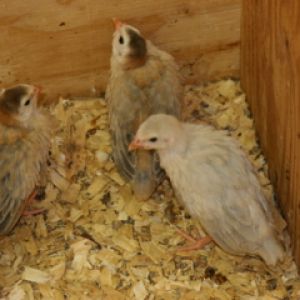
{"points": [[27, 102], [121, 40], [153, 140]]}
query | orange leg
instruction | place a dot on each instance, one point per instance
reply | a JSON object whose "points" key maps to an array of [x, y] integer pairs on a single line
{"points": [[196, 243], [33, 212], [28, 201]]}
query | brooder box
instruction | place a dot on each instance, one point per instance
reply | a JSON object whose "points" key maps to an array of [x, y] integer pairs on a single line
{"points": [[65, 45]]}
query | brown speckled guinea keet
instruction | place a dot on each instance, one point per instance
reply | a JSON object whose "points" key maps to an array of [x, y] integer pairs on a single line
{"points": [[144, 80], [25, 133]]}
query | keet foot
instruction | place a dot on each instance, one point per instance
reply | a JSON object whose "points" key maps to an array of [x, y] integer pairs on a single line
{"points": [[196, 243]]}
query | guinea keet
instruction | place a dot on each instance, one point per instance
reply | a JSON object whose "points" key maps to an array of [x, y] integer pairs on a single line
{"points": [[144, 80], [25, 133], [216, 183]]}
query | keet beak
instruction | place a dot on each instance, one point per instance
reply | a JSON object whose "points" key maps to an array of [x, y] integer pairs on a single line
{"points": [[135, 144], [118, 23]]}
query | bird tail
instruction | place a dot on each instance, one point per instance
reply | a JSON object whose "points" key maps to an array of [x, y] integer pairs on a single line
{"points": [[144, 180], [272, 251]]}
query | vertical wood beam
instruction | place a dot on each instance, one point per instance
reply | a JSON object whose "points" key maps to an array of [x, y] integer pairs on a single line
{"points": [[270, 76]]}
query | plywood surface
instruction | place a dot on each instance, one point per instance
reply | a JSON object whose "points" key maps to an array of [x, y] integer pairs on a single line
{"points": [[270, 73], [65, 45]]}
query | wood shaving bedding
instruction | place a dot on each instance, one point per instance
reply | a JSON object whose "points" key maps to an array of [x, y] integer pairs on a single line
{"points": [[96, 241]]}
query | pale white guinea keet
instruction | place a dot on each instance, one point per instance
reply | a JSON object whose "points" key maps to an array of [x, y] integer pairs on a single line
{"points": [[216, 182], [25, 133], [143, 81]]}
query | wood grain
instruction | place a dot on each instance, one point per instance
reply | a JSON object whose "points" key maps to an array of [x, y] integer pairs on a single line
{"points": [[65, 45], [270, 74]]}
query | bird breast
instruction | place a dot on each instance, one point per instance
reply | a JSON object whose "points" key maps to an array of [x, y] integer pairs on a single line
{"points": [[177, 169], [42, 129]]}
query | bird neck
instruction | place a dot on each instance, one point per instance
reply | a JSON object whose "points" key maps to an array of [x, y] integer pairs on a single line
{"points": [[132, 62], [8, 119], [126, 63]]}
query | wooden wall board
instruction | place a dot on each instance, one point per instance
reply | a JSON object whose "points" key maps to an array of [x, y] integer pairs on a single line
{"points": [[270, 75], [65, 45]]}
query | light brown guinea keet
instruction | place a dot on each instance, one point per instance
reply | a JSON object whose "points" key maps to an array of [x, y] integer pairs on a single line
{"points": [[25, 133], [216, 183], [143, 81]]}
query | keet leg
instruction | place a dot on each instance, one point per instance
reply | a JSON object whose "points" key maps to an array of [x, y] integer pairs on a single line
{"points": [[196, 243], [28, 201]]}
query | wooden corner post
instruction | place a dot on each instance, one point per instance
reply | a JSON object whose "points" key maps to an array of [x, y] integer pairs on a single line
{"points": [[270, 75]]}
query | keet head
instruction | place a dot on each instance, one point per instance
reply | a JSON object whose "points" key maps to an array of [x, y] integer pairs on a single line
{"points": [[20, 101], [158, 132], [128, 46]]}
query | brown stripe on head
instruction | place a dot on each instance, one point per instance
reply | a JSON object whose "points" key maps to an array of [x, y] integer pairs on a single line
{"points": [[11, 98], [137, 45]]}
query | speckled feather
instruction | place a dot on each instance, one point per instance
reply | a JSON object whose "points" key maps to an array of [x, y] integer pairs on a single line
{"points": [[218, 185], [133, 95], [21, 161]]}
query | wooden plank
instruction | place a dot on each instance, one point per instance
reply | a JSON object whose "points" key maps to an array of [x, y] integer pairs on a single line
{"points": [[270, 74], [65, 45]]}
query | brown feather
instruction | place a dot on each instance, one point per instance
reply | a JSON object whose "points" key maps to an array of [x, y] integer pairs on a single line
{"points": [[146, 82], [24, 147]]}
